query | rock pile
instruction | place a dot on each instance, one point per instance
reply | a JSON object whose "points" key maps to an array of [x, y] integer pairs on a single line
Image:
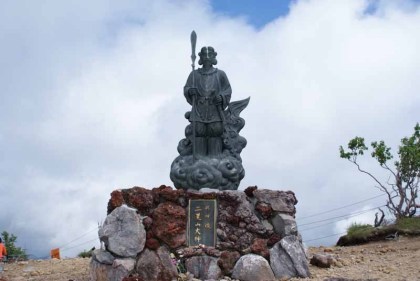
{"points": [[145, 236]]}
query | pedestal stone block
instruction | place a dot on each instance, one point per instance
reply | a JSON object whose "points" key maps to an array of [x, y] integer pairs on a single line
{"points": [[148, 228]]}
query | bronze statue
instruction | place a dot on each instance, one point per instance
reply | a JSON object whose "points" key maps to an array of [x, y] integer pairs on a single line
{"points": [[210, 153], [208, 91]]}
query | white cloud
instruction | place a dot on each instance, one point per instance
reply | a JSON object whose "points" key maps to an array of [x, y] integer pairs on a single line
{"points": [[93, 101], [367, 216]]}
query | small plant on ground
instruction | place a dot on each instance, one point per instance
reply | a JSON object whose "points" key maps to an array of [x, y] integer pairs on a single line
{"points": [[86, 253], [179, 263], [408, 223], [359, 230]]}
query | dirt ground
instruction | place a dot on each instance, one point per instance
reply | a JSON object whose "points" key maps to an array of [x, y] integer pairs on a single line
{"points": [[389, 260], [76, 269], [396, 260]]}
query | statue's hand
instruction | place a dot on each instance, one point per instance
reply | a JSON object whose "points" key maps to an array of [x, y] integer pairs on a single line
{"points": [[218, 99], [193, 92]]}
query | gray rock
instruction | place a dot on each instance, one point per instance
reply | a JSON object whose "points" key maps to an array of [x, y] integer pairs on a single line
{"points": [[125, 264], [99, 271], [267, 225], [203, 267], [324, 261], [117, 271], [297, 253], [156, 266], [252, 268], [288, 259], [284, 225], [123, 232], [281, 263], [103, 256], [279, 201]]}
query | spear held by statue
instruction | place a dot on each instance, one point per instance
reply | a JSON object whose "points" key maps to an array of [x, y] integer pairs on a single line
{"points": [[193, 57]]}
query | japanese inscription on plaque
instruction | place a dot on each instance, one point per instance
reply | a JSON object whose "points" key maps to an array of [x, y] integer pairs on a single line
{"points": [[202, 222]]}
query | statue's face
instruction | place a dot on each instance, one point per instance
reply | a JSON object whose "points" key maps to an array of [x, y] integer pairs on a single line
{"points": [[207, 56], [206, 59]]}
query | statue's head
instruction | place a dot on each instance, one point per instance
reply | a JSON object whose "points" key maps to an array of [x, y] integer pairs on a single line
{"points": [[207, 54]]}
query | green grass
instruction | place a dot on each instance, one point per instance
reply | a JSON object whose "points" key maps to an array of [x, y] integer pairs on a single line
{"points": [[359, 233], [408, 223], [359, 230], [85, 254]]}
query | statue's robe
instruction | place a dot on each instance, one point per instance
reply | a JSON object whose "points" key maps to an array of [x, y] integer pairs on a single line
{"points": [[209, 84]]}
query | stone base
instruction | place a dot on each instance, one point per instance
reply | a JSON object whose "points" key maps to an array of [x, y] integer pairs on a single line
{"points": [[256, 232]]}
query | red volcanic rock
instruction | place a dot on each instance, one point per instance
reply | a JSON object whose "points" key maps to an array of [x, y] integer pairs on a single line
{"points": [[147, 222], [259, 247], [190, 252], [116, 200], [227, 261], [264, 209], [140, 198], [249, 191], [166, 193], [170, 224], [211, 251], [273, 239], [238, 225], [152, 244], [150, 234]]}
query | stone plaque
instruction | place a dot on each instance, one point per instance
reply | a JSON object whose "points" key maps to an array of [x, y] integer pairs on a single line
{"points": [[202, 216]]}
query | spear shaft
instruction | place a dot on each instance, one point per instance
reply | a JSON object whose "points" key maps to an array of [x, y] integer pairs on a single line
{"points": [[193, 57]]}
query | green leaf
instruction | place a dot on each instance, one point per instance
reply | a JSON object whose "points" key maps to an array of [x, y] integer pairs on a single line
{"points": [[381, 152]]}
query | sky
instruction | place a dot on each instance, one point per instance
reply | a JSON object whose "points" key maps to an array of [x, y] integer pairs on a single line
{"points": [[92, 101]]}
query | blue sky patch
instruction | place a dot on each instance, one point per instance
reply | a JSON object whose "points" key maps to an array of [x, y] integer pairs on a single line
{"points": [[258, 13]]}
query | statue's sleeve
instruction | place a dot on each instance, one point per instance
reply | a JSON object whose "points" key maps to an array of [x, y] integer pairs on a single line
{"points": [[188, 86], [226, 90]]}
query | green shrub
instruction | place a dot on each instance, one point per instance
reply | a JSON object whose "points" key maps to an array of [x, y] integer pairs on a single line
{"points": [[85, 254], [13, 251], [408, 223], [359, 230]]}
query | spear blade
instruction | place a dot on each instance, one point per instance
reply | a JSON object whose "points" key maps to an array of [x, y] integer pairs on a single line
{"points": [[193, 44]]}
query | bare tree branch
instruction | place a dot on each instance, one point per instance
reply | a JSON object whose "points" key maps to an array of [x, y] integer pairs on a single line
{"points": [[379, 221]]}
